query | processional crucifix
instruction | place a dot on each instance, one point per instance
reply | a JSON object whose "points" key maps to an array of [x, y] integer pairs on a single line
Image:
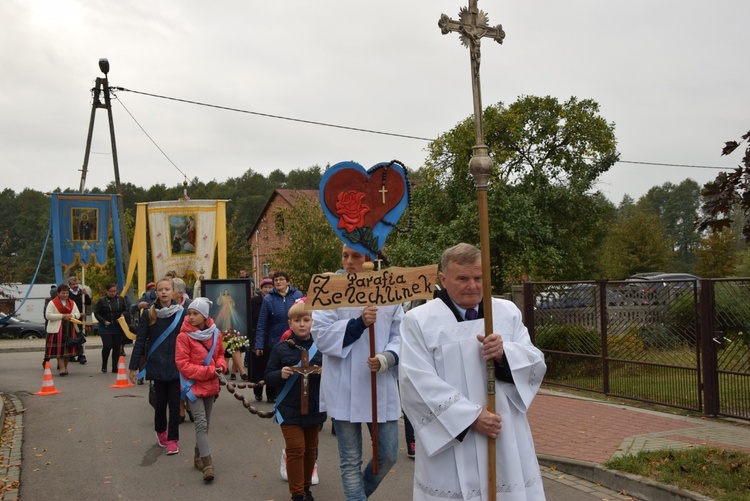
{"points": [[472, 26], [305, 370]]}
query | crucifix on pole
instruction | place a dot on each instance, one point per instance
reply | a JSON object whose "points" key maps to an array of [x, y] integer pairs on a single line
{"points": [[472, 27], [305, 370]]}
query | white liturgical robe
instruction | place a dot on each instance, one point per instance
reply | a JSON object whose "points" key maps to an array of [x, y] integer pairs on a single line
{"points": [[443, 389], [345, 390]]}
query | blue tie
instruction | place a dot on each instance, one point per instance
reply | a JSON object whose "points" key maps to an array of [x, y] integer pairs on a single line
{"points": [[471, 314]]}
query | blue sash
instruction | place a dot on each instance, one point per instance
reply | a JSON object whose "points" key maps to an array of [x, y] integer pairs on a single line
{"points": [[185, 391], [290, 382], [159, 341]]}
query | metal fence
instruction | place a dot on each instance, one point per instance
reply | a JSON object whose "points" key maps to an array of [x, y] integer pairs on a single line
{"points": [[683, 344]]}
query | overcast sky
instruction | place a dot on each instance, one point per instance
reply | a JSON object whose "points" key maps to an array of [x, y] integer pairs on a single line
{"points": [[672, 76]]}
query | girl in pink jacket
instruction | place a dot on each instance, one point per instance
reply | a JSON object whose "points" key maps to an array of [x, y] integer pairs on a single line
{"points": [[199, 355]]}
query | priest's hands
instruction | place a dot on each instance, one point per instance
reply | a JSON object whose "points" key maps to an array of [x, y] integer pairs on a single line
{"points": [[369, 315], [487, 423], [492, 347]]}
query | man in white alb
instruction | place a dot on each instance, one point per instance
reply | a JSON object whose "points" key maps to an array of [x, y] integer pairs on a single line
{"points": [[444, 392]]}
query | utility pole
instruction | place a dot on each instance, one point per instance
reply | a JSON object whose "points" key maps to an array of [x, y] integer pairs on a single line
{"points": [[102, 88]]}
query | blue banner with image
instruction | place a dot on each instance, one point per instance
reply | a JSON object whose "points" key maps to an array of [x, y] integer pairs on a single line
{"points": [[80, 230]]}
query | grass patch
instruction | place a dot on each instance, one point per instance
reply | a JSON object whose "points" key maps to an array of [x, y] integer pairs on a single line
{"points": [[720, 474]]}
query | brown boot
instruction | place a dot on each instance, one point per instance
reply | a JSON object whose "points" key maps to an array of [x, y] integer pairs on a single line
{"points": [[197, 461], [208, 468]]}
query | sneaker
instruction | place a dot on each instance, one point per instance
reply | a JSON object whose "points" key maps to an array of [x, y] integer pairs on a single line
{"points": [[411, 449], [233, 377], [82, 360], [282, 468], [172, 447], [162, 438], [315, 479], [244, 377]]}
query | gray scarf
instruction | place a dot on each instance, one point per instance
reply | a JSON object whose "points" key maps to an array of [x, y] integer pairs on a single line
{"points": [[203, 335], [168, 311]]}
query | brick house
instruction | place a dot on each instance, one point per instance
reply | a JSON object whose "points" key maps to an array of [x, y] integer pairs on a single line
{"points": [[267, 234]]}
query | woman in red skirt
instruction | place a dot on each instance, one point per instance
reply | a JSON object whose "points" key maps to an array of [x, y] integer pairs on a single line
{"points": [[59, 328]]}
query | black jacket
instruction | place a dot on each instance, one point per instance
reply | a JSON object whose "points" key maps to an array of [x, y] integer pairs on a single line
{"points": [[109, 310], [161, 366], [288, 353]]}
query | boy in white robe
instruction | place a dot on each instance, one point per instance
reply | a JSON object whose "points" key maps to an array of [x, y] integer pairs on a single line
{"points": [[444, 391], [342, 335]]}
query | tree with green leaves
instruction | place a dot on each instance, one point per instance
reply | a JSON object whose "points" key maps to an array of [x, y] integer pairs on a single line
{"points": [[677, 207], [637, 242], [239, 252], [717, 256], [543, 219], [312, 246]]}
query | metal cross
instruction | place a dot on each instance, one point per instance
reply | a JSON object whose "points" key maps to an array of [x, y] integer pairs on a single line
{"points": [[472, 26], [304, 370]]}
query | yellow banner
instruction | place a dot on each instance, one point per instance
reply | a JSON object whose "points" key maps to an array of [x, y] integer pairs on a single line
{"points": [[80, 322], [126, 328], [390, 286]]}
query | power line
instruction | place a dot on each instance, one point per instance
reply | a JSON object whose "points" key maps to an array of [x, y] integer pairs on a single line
{"points": [[358, 129], [150, 138], [673, 165], [268, 115], [119, 100]]}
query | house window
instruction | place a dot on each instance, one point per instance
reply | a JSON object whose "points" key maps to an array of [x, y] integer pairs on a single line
{"points": [[266, 270]]}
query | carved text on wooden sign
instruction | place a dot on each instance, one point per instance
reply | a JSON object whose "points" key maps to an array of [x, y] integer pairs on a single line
{"points": [[390, 286]]}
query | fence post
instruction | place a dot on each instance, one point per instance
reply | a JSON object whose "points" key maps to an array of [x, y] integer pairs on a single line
{"points": [[603, 320], [528, 309], [708, 348]]}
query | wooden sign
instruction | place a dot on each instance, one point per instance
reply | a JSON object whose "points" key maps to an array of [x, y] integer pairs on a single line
{"points": [[390, 286]]}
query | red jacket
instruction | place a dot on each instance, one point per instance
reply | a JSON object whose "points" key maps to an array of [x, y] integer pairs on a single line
{"points": [[189, 356]]}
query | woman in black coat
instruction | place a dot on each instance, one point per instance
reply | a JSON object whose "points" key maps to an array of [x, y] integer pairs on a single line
{"points": [[108, 309]]}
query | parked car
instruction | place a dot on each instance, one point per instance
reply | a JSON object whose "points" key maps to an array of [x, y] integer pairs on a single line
{"points": [[13, 328], [656, 288], [580, 296]]}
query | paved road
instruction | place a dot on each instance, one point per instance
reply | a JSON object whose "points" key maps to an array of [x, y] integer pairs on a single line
{"points": [[95, 442]]}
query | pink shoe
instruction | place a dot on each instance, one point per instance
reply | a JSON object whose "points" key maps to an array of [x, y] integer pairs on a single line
{"points": [[172, 447], [161, 438]]}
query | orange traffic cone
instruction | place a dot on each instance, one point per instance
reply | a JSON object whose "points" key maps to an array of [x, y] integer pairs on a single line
{"points": [[122, 378], [48, 386]]}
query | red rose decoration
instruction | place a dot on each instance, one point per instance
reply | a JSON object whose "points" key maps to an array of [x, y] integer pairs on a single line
{"points": [[351, 210]]}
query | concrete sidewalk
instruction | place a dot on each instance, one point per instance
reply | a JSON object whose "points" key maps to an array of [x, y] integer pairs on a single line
{"points": [[576, 435]]}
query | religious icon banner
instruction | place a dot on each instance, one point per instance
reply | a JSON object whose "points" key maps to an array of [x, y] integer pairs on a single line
{"points": [[80, 228], [183, 236], [231, 306]]}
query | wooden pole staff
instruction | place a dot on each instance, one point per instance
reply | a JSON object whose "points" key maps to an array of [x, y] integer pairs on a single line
{"points": [[374, 403], [369, 266]]}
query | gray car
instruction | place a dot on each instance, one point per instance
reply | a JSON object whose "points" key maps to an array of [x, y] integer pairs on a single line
{"points": [[13, 328]]}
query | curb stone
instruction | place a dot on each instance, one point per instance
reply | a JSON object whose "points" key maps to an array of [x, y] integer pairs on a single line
{"points": [[11, 471], [639, 487]]}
